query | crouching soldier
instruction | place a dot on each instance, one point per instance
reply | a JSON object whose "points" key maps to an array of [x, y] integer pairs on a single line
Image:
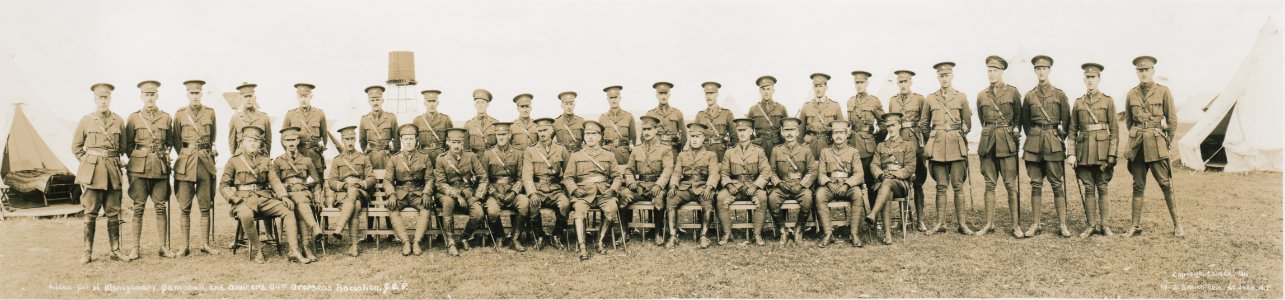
{"points": [[503, 162], [695, 175], [349, 176], [893, 165], [298, 178], [460, 181], [648, 172], [409, 171], [542, 166], [247, 184], [589, 177], [745, 173], [795, 172], [840, 171]]}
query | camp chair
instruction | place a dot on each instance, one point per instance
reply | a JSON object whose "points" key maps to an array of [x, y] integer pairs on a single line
{"points": [[642, 217], [270, 225], [742, 216]]}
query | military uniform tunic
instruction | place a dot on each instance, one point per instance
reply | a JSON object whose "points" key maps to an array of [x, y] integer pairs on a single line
{"points": [[463, 173], [312, 134], [524, 133], [817, 116], [567, 130], [767, 116], [1093, 130], [618, 133], [864, 111], [796, 172], [542, 166], [648, 166], [194, 172], [481, 133], [250, 118], [671, 129], [410, 171], [719, 135], [504, 166], [378, 137], [298, 176], [432, 132], [350, 167], [98, 144], [948, 120], [595, 172], [694, 170], [998, 107], [1045, 114]]}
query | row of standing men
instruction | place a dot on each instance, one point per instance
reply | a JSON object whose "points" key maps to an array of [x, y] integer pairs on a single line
{"points": [[571, 164]]}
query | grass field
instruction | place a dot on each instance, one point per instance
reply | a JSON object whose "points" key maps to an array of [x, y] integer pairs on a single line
{"points": [[1233, 224]]}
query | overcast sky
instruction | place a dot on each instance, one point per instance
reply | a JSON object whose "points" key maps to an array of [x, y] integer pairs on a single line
{"points": [[545, 47]]}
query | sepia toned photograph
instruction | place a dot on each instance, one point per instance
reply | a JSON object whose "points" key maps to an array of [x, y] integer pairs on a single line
{"points": [[641, 149]]}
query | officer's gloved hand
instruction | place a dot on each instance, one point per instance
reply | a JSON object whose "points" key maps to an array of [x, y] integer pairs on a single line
{"points": [[625, 194], [1070, 160], [657, 191], [289, 203], [579, 193], [750, 189]]}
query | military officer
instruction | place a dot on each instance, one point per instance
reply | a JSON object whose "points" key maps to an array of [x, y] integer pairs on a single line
{"points": [[1094, 136], [946, 120], [504, 166], [593, 178], [481, 135], [349, 176], [194, 171], [149, 140], [767, 115], [298, 178], [98, 144], [840, 173], [864, 111], [248, 114], [568, 127], [524, 126], [717, 119], [695, 175], [619, 135], [795, 168], [377, 129], [909, 104], [818, 113], [432, 125], [998, 107], [542, 166], [893, 165], [647, 172], [248, 184], [1150, 141], [311, 122], [460, 181], [671, 130], [410, 171], [1045, 115], [745, 174]]}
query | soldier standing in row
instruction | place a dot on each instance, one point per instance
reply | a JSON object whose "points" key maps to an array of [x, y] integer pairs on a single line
{"points": [[248, 114], [481, 133], [524, 126], [717, 119], [248, 184], [672, 129], [947, 122], [795, 172], [98, 145], [909, 104], [149, 140], [894, 163], [1094, 136], [378, 131], [409, 187], [818, 113], [542, 166], [194, 171], [863, 112], [1045, 116], [745, 174], [504, 166], [593, 179], [841, 179], [647, 172], [998, 107], [767, 116], [695, 175], [619, 135], [311, 122], [1151, 141], [460, 181], [349, 176], [568, 127], [298, 179], [432, 125]]}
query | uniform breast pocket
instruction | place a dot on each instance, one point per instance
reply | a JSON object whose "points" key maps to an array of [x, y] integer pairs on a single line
{"points": [[586, 166]]}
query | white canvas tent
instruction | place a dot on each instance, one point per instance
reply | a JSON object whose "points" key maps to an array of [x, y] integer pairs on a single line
{"points": [[53, 129], [1242, 122]]}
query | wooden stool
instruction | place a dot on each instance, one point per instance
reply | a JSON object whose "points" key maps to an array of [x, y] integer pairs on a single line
{"points": [[642, 216], [903, 214], [695, 208], [271, 225], [742, 209]]}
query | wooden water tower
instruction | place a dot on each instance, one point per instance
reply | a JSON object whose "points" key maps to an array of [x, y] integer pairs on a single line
{"points": [[404, 98]]}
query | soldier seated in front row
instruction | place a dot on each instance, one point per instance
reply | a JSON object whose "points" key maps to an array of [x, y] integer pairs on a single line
{"points": [[298, 177], [695, 175], [542, 166], [349, 176], [893, 165], [460, 180], [408, 187], [648, 172], [796, 169], [247, 184], [745, 174], [841, 179], [503, 162], [590, 176]]}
